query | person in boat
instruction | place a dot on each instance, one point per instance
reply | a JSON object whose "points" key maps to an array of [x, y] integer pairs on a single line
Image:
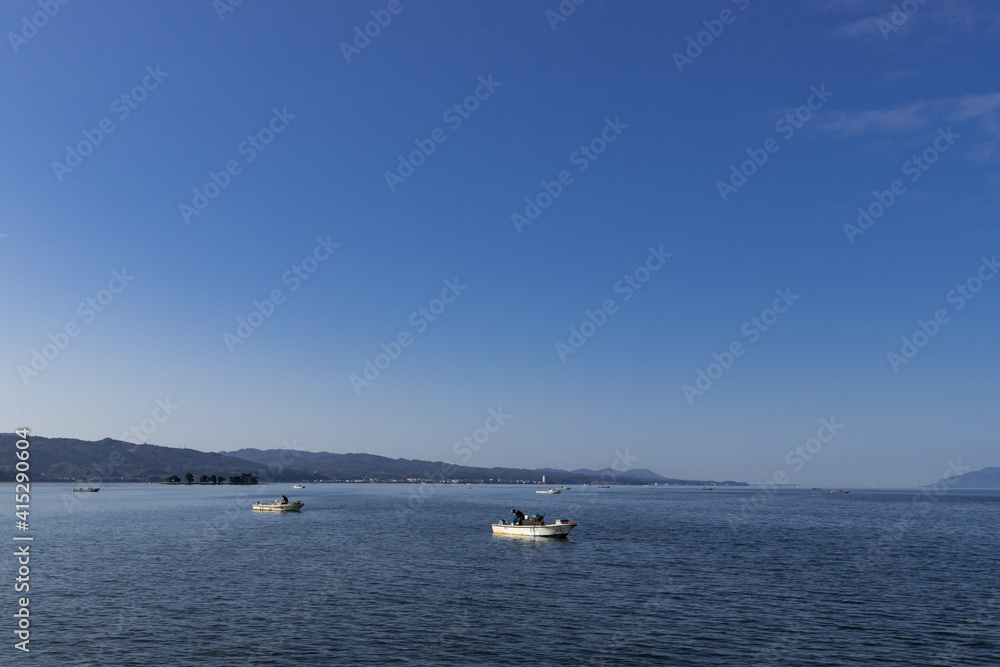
{"points": [[517, 518], [284, 500]]}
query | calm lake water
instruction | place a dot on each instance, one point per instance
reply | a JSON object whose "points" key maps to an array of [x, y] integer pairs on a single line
{"points": [[411, 575]]}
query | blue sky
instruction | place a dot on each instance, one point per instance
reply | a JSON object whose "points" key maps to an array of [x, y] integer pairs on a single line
{"points": [[734, 162]]}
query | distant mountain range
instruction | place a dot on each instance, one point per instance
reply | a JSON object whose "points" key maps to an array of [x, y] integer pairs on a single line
{"points": [[987, 478], [642, 475], [70, 459], [370, 467], [358, 466], [108, 460]]}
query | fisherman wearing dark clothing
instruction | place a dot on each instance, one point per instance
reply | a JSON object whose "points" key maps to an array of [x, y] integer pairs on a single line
{"points": [[518, 517], [284, 500]]}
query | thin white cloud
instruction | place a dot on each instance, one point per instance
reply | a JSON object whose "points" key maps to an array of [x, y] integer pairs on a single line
{"points": [[863, 28], [986, 151], [968, 15], [918, 115], [953, 15], [840, 5], [875, 124], [899, 119], [976, 106]]}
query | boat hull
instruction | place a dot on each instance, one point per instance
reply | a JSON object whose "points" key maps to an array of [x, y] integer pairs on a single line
{"points": [[547, 530], [269, 507]]}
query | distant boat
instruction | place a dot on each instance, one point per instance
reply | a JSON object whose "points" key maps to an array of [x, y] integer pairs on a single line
{"points": [[535, 527], [298, 486], [840, 491], [562, 488], [278, 506], [549, 492], [705, 488], [603, 487], [87, 490]]}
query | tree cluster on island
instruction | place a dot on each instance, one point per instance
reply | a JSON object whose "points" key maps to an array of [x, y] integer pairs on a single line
{"points": [[243, 479]]}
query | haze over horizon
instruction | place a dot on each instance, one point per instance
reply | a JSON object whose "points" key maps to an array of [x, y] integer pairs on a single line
{"points": [[585, 234]]}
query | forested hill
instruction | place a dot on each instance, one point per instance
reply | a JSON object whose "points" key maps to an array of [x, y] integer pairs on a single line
{"points": [[69, 459], [987, 478]]}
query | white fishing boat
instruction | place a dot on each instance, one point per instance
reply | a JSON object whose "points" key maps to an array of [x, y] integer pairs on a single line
{"points": [[298, 486], [549, 492], [562, 488], [278, 506], [535, 527]]}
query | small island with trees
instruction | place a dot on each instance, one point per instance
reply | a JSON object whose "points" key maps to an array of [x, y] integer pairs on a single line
{"points": [[209, 480]]}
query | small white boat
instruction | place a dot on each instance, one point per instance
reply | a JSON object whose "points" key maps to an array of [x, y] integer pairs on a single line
{"points": [[278, 506], [549, 492], [87, 490], [530, 528], [298, 486], [562, 488]]}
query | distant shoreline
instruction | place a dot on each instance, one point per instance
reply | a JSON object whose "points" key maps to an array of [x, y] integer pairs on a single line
{"points": [[384, 481]]}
